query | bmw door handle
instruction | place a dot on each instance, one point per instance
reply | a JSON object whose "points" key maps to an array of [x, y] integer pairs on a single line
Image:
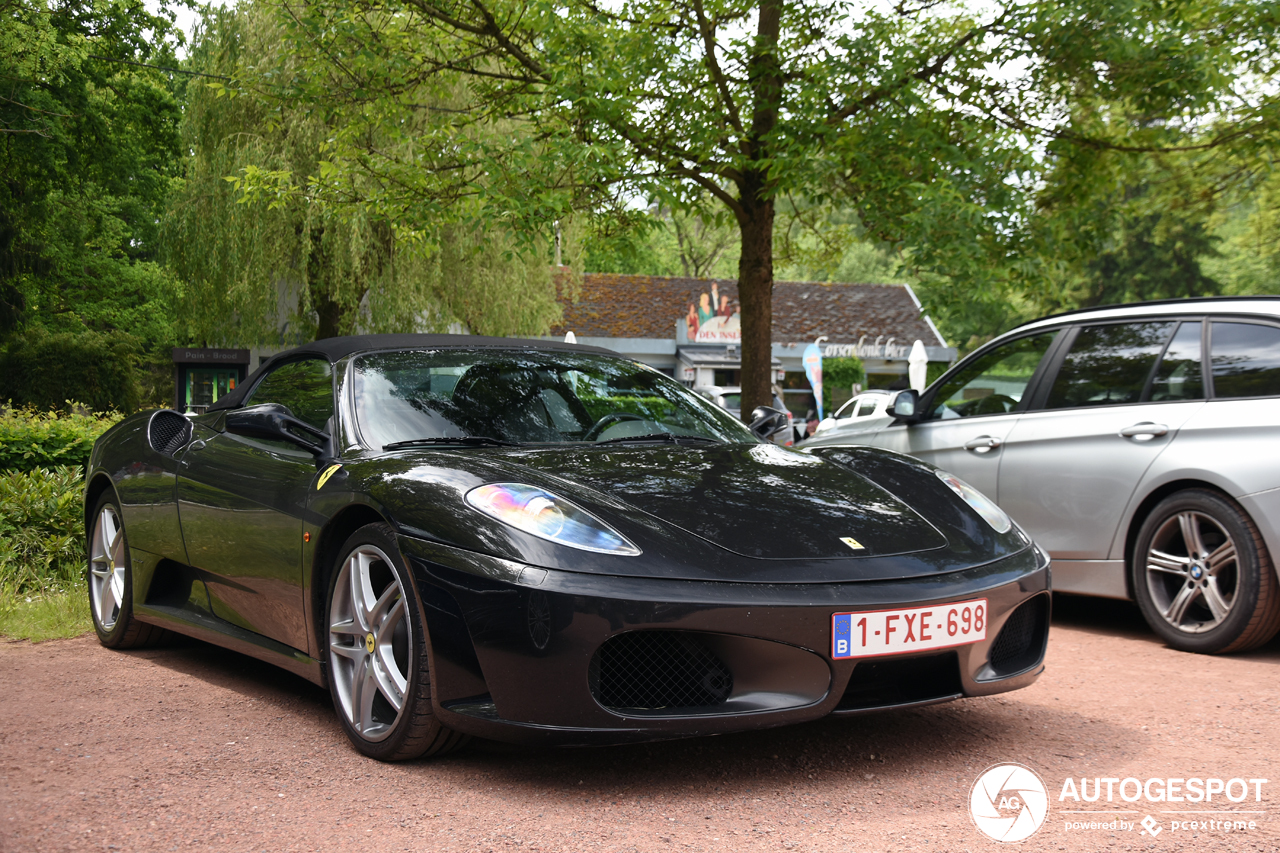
{"points": [[983, 444], [1144, 431]]}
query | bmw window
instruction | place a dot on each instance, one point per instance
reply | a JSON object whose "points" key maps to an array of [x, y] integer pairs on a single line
{"points": [[1245, 359], [1109, 364], [994, 383]]}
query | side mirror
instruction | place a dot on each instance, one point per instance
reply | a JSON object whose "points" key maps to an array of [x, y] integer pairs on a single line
{"points": [[905, 405], [766, 422], [275, 422]]}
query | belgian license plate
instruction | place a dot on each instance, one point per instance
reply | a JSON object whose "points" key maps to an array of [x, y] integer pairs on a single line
{"points": [[909, 629]]}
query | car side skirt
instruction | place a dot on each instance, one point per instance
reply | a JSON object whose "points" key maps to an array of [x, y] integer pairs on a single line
{"points": [[1102, 578], [179, 608]]}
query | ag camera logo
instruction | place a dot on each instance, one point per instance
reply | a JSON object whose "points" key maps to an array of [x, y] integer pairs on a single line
{"points": [[1008, 802]]}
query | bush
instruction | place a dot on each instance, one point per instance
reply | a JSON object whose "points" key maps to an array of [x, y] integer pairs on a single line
{"points": [[839, 373], [31, 439], [45, 370], [41, 530]]}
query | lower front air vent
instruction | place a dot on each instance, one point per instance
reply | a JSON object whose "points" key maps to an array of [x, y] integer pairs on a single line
{"points": [[671, 671], [885, 682], [1020, 643]]}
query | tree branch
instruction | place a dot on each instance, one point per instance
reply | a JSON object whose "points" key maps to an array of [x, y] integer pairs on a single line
{"points": [[713, 66]]}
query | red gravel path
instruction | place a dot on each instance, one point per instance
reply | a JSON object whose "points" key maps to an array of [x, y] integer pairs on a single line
{"points": [[194, 748]]}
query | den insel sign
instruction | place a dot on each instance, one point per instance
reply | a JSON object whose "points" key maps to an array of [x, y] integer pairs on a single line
{"points": [[714, 319]]}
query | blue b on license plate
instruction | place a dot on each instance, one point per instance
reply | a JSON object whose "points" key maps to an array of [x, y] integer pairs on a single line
{"points": [[910, 629]]}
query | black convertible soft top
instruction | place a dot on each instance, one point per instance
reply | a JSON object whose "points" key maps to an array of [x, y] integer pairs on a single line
{"points": [[337, 348]]}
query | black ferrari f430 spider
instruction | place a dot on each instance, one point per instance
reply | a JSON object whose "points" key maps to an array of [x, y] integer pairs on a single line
{"points": [[549, 543]]}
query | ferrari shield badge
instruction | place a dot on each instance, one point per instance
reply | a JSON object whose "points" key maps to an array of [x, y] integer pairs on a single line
{"points": [[852, 543], [324, 478]]}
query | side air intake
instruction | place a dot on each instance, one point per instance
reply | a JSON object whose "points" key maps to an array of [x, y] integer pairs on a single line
{"points": [[168, 431]]}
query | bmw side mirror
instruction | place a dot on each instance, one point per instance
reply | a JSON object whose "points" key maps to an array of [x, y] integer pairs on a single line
{"points": [[766, 422], [274, 422], [905, 405]]}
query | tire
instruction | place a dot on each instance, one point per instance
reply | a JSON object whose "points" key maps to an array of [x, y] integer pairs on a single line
{"points": [[376, 652], [1202, 575], [110, 577]]}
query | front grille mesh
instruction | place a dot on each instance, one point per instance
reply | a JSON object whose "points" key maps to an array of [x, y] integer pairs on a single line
{"points": [[658, 670], [1021, 641], [168, 431]]}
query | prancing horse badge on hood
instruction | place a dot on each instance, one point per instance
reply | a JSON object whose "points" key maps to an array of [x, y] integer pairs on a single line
{"points": [[852, 543]]}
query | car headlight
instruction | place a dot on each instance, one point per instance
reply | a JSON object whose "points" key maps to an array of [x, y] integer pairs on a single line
{"points": [[547, 516], [981, 504]]}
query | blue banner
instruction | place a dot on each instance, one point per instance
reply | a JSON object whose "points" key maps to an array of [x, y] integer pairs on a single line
{"points": [[813, 369]]}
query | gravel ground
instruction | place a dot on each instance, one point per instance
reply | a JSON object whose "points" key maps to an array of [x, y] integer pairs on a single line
{"points": [[194, 748]]}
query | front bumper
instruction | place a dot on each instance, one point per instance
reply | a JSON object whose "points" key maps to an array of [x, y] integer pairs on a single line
{"points": [[528, 655]]}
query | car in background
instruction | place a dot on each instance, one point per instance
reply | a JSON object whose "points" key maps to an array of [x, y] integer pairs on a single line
{"points": [[729, 398], [866, 411], [1138, 444], [540, 542]]}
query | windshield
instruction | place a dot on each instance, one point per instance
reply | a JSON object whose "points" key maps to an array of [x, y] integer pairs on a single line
{"points": [[527, 397]]}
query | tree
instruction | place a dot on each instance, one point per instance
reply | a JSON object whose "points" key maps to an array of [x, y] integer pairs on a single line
{"points": [[88, 144], [276, 247], [897, 110]]}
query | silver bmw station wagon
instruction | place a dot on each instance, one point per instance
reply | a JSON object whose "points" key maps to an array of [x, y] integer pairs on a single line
{"points": [[1139, 444]]}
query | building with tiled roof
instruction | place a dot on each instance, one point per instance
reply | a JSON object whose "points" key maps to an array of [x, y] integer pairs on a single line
{"points": [[688, 326]]}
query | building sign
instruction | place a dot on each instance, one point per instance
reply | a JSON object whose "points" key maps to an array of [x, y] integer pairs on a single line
{"points": [[862, 349], [202, 375], [192, 355], [714, 319]]}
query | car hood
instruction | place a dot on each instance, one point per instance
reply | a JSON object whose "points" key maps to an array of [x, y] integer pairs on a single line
{"points": [[758, 513], [754, 500]]}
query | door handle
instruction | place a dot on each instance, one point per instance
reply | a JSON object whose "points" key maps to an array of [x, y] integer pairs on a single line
{"points": [[191, 448], [983, 444], [1144, 431]]}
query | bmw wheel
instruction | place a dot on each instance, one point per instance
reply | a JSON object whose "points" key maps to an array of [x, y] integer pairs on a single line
{"points": [[1202, 575], [378, 671], [110, 577]]}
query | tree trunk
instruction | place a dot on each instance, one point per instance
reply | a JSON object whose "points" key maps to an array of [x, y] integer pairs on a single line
{"points": [[755, 213], [329, 313], [755, 291]]}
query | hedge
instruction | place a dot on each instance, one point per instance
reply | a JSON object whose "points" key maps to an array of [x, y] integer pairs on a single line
{"points": [[31, 439], [45, 370], [41, 530]]}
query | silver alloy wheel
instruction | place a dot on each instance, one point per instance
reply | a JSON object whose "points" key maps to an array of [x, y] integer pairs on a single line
{"points": [[1192, 571], [369, 643], [106, 568]]}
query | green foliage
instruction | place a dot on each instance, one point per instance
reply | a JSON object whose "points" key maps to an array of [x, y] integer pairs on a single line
{"points": [[45, 370], [933, 127], [279, 245], [663, 242], [839, 374], [88, 147], [32, 439], [41, 529]]}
